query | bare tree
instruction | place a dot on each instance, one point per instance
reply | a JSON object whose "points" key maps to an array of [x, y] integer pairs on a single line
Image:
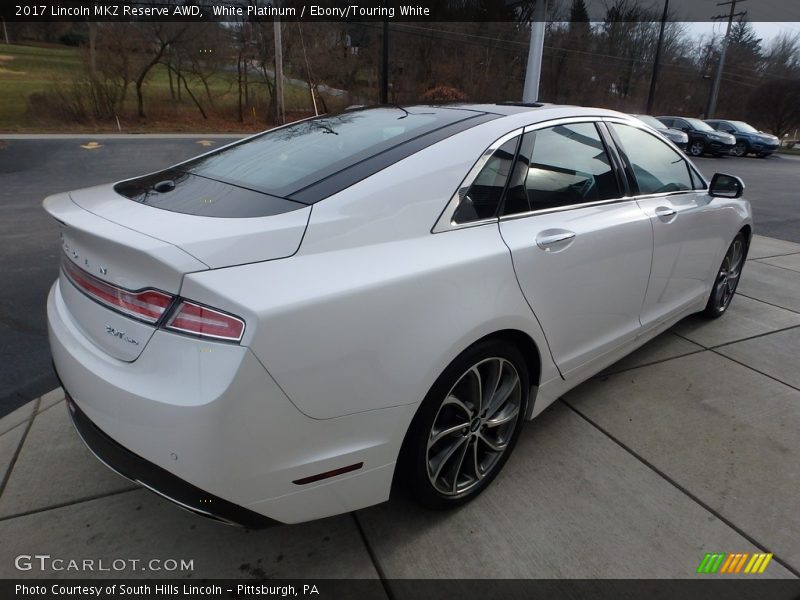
{"points": [[781, 113], [156, 37]]}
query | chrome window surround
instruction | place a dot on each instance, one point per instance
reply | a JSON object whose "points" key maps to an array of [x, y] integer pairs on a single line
{"points": [[446, 223]]}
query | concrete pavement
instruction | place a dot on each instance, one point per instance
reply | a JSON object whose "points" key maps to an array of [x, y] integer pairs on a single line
{"points": [[688, 446]]}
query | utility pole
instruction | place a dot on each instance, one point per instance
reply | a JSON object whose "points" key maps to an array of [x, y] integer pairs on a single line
{"points": [[712, 101], [651, 97], [280, 112], [5, 31], [533, 72]]}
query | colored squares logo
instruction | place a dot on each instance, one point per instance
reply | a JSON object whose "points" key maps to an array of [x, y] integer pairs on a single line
{"points": [[734, 563]]}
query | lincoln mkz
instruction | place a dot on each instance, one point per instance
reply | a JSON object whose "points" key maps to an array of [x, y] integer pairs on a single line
{"points": [[293, 325]]}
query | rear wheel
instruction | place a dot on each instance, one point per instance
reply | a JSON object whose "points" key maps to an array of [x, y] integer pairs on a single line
{"points": [[730, 271], [697, 148], [740, 149], [467, 425]]}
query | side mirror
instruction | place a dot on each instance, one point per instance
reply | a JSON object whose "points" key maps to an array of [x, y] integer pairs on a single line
{"points": [[725, 186]]}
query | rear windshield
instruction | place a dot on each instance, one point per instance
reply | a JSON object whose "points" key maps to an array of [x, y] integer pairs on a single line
{"points": [[282, 162]]}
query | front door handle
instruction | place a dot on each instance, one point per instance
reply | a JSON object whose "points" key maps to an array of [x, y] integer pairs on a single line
{"points": [[665, 213], [551, 240]]}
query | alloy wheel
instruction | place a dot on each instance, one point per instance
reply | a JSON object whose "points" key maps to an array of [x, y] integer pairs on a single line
{"points": [[696, 149], [739, 150], [728, 276], [474, 426]]}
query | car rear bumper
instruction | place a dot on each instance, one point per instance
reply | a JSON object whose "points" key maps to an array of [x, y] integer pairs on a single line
{"points": [[165, 484], [210, 417]]}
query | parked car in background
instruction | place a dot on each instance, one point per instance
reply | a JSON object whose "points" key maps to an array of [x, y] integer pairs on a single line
{"points": [[748, 139], [677, 137], [703, 139], [278, 329]]}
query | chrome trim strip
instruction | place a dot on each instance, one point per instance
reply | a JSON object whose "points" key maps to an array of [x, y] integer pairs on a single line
{"points": [[634, 122], [445, 223], [445, 220], [547, 211]]}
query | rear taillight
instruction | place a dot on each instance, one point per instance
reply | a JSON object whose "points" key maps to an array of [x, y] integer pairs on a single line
{"points": [[153, 306], [147, 305], [195, 319]]}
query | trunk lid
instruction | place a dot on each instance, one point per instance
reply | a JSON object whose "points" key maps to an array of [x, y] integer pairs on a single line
{"points": [[137, 246]]}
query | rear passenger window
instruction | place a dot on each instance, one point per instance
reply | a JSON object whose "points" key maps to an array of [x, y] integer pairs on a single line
{"points": [[657, 168], [482, 198], [558, 166]]}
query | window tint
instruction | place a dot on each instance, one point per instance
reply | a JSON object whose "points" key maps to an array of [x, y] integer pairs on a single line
{"points": [[566, 165], [656, 167], [481, 199], [284, 161]]}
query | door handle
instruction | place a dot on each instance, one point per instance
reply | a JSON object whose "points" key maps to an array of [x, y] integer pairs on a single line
{"points": [[548, 240], [665, 213]]}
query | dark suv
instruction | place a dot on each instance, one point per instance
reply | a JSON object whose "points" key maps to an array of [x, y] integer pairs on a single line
{"points": [[748, 139], [703, 139]]}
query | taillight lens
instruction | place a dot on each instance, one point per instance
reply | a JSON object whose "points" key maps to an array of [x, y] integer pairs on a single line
{"points": [[203, 321], [147, 305]]}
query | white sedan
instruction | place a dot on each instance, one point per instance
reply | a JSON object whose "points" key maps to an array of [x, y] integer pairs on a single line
{"points": [[281, 329]]}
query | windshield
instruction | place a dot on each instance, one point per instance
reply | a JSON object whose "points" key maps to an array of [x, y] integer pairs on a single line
{"points": [[700, 125], [286, 160], [743, 127], [652, 121]]}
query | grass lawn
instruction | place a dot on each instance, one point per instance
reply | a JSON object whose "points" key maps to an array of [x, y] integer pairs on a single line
{"points": [[28, 69]]}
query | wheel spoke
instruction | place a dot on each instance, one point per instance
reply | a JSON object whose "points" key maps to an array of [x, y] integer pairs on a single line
{"points": [[478, 402], [457, 470], [446, 432], [492, 383], [477, 463], [453, 401], [447, 456], [502, 395], [494, 446], [496, 422]]}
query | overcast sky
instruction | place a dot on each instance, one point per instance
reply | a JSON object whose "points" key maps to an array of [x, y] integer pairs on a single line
{"points": [[766, 31]]}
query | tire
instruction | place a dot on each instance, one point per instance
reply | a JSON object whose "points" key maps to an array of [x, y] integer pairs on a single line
{"points": [[453, 449], [740, 149], [728, 276], [697, 148]]}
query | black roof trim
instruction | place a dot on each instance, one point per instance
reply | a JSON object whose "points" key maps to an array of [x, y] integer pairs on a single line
{"points": [[523, 104], [351, 175]]}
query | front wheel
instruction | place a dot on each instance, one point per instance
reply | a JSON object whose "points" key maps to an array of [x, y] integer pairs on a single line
{"points": [[467, 425], [697, 148], [730, 271]]}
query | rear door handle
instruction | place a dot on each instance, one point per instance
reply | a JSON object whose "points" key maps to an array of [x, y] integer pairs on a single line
{"points": [[665, 213], [550, 240]]}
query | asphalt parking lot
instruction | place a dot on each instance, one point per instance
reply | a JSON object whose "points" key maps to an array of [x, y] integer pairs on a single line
{"points": [[33, 167], [687, 446]]}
